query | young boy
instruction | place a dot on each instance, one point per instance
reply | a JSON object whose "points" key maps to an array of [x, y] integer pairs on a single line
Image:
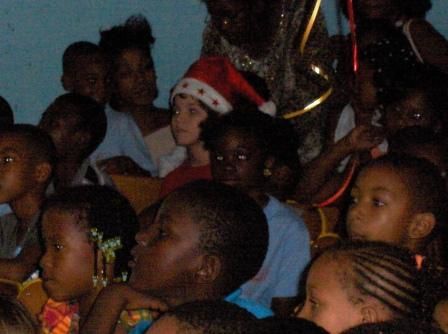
{"points": [[206, 241], [77, 125], [85, 71], [27, 157]]}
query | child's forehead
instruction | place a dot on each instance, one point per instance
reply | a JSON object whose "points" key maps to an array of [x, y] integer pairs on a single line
{"points": [[16, 142]]}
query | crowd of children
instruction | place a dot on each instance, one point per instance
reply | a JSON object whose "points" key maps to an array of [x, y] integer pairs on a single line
{"points": [[222, 250]]}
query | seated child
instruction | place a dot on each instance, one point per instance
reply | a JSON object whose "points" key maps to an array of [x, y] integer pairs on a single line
{"points": [[6, 119], [77, 125], [241, 156], [27, 158], [88, 233], [15, 319], [414, 100], [211, 87], [6, 113], [398, 199], [138, 132], [85, 71], [206, 316], [206, 241], [362, 282]]}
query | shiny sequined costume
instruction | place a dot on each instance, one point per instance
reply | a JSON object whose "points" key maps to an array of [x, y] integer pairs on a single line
{"points": [[287, 73]]}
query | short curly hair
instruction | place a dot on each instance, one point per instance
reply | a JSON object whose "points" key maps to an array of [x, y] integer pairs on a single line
{"points": [[232, 227], [103, 208]]}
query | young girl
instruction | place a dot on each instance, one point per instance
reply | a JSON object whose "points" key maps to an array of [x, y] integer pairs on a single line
{"points": [[241, 156], [210, 87], [138, 132], [362, 282], [88, 233], [400, 200]]}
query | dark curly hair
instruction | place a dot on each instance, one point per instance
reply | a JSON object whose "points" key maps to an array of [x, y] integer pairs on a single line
{"points": [[386, 273], [136, 33], [103, 208], [232, 227]]}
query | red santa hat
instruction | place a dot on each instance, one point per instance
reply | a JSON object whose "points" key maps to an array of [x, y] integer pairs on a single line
{"points": [[217, 83]]}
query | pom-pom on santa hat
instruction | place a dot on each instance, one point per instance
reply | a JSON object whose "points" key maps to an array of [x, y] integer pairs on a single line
{"points": [[217, 83]]}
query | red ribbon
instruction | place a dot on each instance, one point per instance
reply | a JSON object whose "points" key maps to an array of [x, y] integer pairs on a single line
{"points": [[352, 24]]}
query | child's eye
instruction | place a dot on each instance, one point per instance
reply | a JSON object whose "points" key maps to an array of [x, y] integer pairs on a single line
{"points": [[242, 156], [314, 305], [378, 203], [7, 160], [176, 112], [219, 157], [354, 200], [192, 111], [58, 246], [162, 234]]}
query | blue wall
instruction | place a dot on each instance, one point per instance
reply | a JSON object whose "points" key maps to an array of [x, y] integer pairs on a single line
{"points": [[34, 35]]}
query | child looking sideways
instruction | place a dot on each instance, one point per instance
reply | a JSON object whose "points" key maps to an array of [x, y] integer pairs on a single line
{"points": [[27, 158], [400, 200], [88, 234], [241, 152], [211, 87], [207, 240], [85, 71], [77, 125], [138, 132], [362, 282]]}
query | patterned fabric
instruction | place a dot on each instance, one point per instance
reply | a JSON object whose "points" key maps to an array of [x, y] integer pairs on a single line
{"points": [[60, 318], [131, 318], [287, 73]]}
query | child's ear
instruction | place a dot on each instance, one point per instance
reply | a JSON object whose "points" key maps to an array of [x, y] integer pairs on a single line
{"points": [[421, 225], [209, 270], [66, 82], [369, 314], [43, 172]]}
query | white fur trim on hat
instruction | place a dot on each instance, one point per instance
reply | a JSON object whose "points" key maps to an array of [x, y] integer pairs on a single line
{"points": [[203, 92], [269, 108]]}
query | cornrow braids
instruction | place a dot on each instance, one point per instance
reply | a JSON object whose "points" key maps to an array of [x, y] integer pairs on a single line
{"points": [[384, 272]]}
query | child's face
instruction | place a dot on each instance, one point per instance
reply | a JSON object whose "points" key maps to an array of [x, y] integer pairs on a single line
{"points": [[17, 168], [188, 114], [167, 255], [62, 126], [381, 207], [327, 303], [135, 78], [412, 111], [91, 79], [68, 262], [238, 161]]}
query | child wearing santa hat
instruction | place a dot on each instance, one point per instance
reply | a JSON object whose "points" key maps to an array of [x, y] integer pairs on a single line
{"points": [[211, 87]]}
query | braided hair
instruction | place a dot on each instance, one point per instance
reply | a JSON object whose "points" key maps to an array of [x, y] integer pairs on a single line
{"points": [[384, 272]]}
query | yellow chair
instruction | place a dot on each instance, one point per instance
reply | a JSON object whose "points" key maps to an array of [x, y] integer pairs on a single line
{"points": [[141, 191], [30, 293]]}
